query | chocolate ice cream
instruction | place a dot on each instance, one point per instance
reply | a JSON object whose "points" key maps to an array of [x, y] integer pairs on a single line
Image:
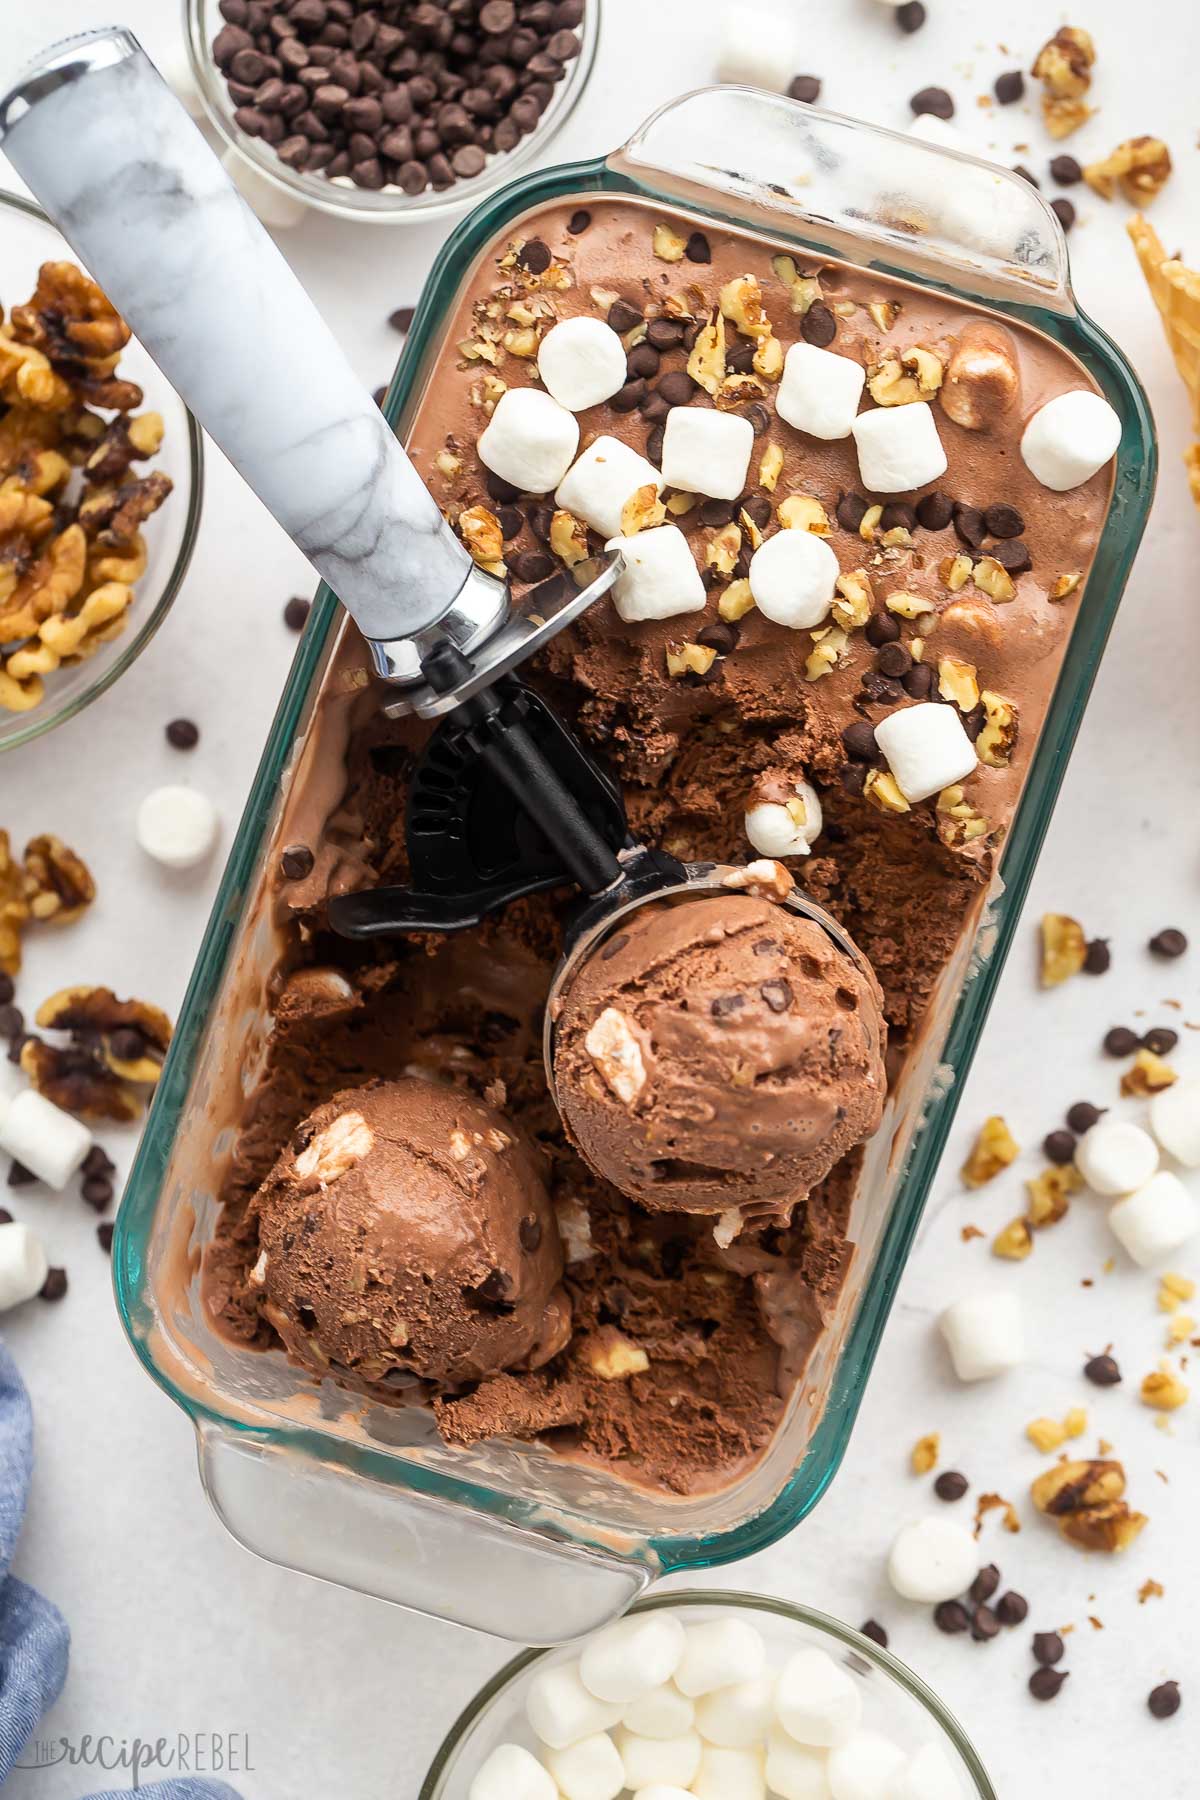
{"points": [[719, 1055]]}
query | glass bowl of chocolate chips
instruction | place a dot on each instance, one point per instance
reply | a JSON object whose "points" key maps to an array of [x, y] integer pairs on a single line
{"points": [[385, 110]]}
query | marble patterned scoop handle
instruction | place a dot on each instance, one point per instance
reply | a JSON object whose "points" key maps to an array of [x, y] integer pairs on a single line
{"points": [[136, 191]]}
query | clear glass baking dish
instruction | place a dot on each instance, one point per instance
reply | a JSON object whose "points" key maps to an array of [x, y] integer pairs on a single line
{"points": [[507, 1537]]}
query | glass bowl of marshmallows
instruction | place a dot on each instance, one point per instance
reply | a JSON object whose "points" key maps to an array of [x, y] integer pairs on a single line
{"points": [[708, 1696]]}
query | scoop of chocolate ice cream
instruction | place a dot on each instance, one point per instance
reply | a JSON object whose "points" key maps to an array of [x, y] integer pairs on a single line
{"points": [[405, 1234], [719, 1053]]}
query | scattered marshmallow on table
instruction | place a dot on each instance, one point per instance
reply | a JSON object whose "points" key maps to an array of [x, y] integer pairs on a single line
{"points": [[582, 362], [561, 1710], [759, 47], [1175, 1121], [792, 579], [590, 1769], [718, 1653], [1156, 1220], [820, 391], [817, 1701], [926, 747], [898, 448], [774, 831], [657, 1762], [794, 1771], [932, 1560], [1069, 439], [598, 486], [863, 1767], [737, 1716], [49, 1142], [23, 1264], [177, 826], [1115, 1157], [530, 440], [511, 1773], [660, 577], [632, 1657], [662, 1713], [730, 1775], [272, 205], [707, 452], [985, 1334]]}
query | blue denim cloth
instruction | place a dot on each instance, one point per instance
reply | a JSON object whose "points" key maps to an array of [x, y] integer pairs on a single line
{"points": [[33, 1634]]}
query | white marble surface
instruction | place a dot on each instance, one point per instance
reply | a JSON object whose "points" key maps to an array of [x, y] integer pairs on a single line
{"points": [[175, 1627]]}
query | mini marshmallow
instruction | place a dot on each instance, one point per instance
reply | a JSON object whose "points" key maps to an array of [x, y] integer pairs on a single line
{"points": [[47, 1140], [985, 1334], [926, 747], [177, 826], [817, 1702], [932, 1560], [588, 1770], [820, 391], [657, 1762], [23, 1265], [707, 452], [927, 1775], [737, 1717], [662, 1713], [1115, 1157], [1069, 439], [1175, 1121], [632, 1657], [665, 1793], [605, 477], [792, 579], [582, 362], [1156, 1220], [898, 448], [795, 1772], [272, 205], [511, 1773], [561, 1710], [730, 1775], [719, 1653], [759, 48], [937, 131], [864, 1767], [773, 831], [529, 441], [660, 577]]}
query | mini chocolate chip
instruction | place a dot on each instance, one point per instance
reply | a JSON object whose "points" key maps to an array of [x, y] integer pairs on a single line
{"points": [[630, 397], [1004, 521], [1044, 1684], [1064, 211], [882, 628], [1048, 1648], [950, 1485], [984, 1625], [740, 359], [719, 636], [54, 1286], [970, 528], [1083, 1115], [716, 513], [758, 508], [295, 613], [898, 514], [613, 945], [98, 1162], [698, 249], [851, 511], [985, 1583], [974, 721], [665, 334], [1102, 1371], [933, 100], [6, 1217], [512, 522], [758, 417], [1059, 1147], [911, 16], [654, 443], [643, 360], [530, 1232], [1098, 959], [1165, 1700], [777, 994], [805, 87], [818, 326], [532, 565], [7, 988], [579, 221], [875, 1631], [1013, 554], [1120, 1041], [297, 861], [19, 1175], [881, 688], [894, 660], [12, 1021], [1026, 175], [182, 734], [1012, 1608], [623, 317], [1169, 943], [1009, 87], [677, 388], [853, 777], [918, 683], [500, 490], [97, 1190], [534, 256], [859, 741], [654, 408], [951, 1616], [935, 511], [468, 161], [725, 1004], [104, 1235], [1160, 1039]]}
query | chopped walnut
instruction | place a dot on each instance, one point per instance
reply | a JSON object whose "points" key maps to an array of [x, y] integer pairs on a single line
{"points": [[882, 790], [482, 534], [688, 659], [1064, 585], [1049, 1194], [802, 512], [869, 523], [127, 1038], [1147, 1074], [1085, 1500], [568, 538], [14, 908], [954, 572], [58, 883], [612, 1356], [925, 1453], [1064, 67], [1046, 1434], [1163, 1390], [741, 302], [995, 1149], [614, 1048], [959, 823], [853, 600], [736, 601], [768, 359], [883, 313], [1140, 167], [1064, 948], [1015, 1242], [334, 1151], [723, 549], [958, 682], [765, 878], [829, 648], [1173, 1290], [803, 290], [642, 511], [668, 245], [770, 468], [706, 363], [905, 376], [994, 745], [994, 580]]}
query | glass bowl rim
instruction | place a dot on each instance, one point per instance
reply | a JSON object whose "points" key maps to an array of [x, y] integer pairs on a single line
{"points": [[898, 1673], [388, 206], [47, 717]]}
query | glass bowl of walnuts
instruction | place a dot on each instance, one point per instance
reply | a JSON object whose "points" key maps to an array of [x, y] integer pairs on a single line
{"points": [[101, 471]]}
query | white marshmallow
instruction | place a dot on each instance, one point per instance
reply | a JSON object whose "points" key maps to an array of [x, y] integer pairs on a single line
{"points": [[662, 1713], [730, 1775], [864, 1767], [582, 362], [665, 1793], [1175, 1121], [932, 1559], [1069, 439], [792, 578], [632, 1657], [1156, 1220], [660, 577], [657, 1762], [937, 131], [719, 1653], [529, 441], [926, 748], [795, 1772], [588, 1770], [274, 206], [605, 477], [737, 1717], [23, 1265], [898, 448], [758, 47], [818, 1702], [707, 452], [511, 1773], [177, 826], [927, 1775], [174, 65], [561, 1710], [49, 1141], [773, 831], [985, 1334], [820, 391], [1115, 1157]]}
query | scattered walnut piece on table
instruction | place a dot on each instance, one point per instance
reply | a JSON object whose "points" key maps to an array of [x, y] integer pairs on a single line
{"points": [[1086, 1501], [1063, 65], [1140, 168], [995, 1149]]}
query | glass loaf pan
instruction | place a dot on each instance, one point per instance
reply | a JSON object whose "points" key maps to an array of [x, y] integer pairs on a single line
{"points": [[507, 1537]]}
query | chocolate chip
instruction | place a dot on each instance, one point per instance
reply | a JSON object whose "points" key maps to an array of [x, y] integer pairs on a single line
{"points": [[6, 1217], [758, 508], [665, 334], [719, 636], [1012, 1608], [1120, 1041], [985, 1583], [19, 1175], [1165, 1700], [777, 994], [97, 1190], [532, 565], [768, 947], [182, 734], [579, 221], [54, 1286], [104, 1235], [698, 249], [495, 1290], [970, 527], [98, 1162], [1044, 1684], [805, 87], [759, 418], [643, 361], [881, 688], [984, 1625], [918, 683], [12, 1021], [1013, 555], [677, 388], [853, 777], [295, 613], [1160, 1039], [1083, 1115], [859, 741], [973, 722], [297, 861], [933, 100], [7, 989], [497, 16], [882, 628], [1169, 943], [911, 16], [951, 1616], [935, 511], [1064, 211], [716, 513], [654, 444], [1009, 87], [613, 945], [894, 660], [1098, 957], [851, 511], [630, 397], [654, 408], [1059, 1147], [1048, 1648], [1026, 174], [818, 326], [1102, 1371], [725, 1004], [530, 1232], [1066, 170], [1004, 521], [511, 521], [950, 1485], [623, 317], [875, 1631], [127, 1044], [898, 515]]}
